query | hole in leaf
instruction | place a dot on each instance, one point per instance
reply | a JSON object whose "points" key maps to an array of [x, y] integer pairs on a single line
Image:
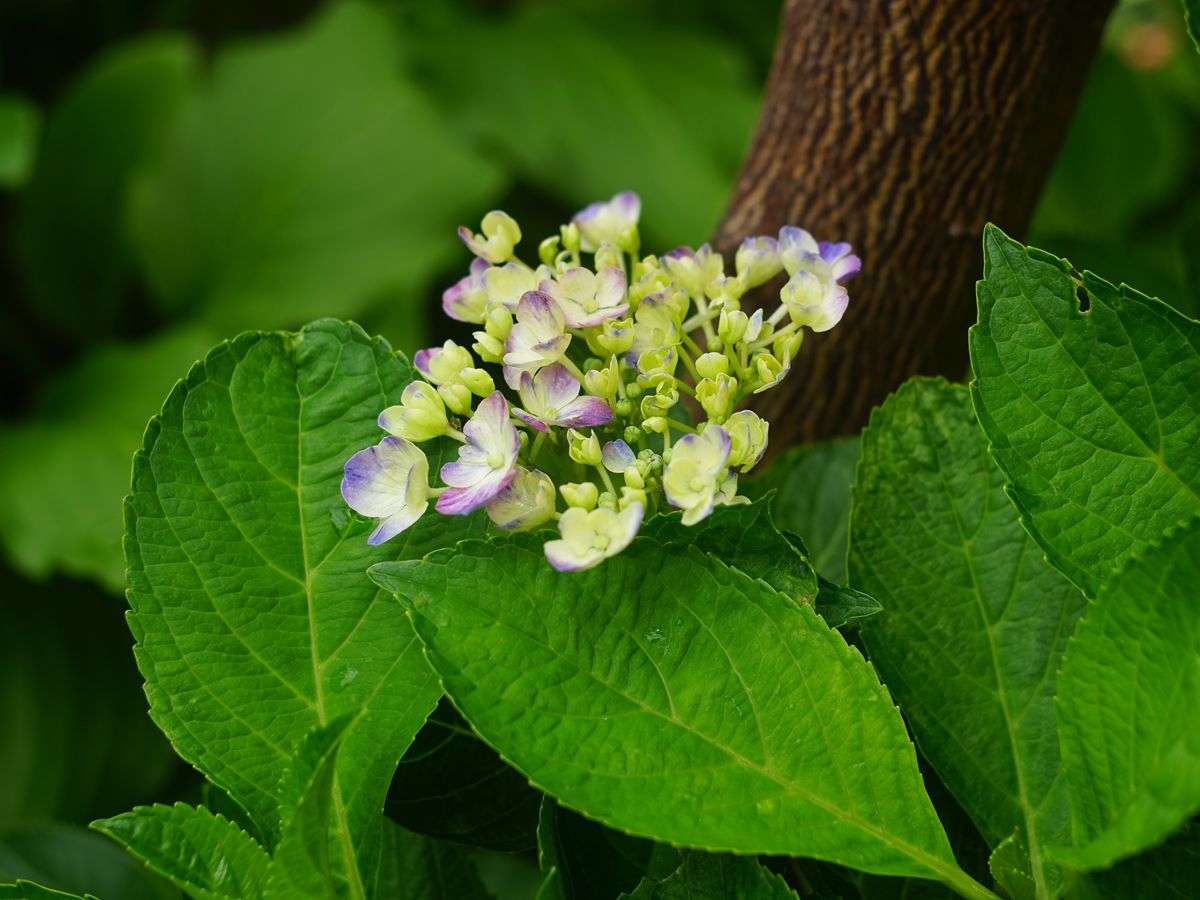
{"points": [[1083, 298]]}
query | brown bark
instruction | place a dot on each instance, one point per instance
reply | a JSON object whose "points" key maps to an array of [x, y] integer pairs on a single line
{"points": [[903, 126]]}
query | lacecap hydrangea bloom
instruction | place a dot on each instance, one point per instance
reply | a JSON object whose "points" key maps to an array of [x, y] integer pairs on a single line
{"points": [[606, 360]]}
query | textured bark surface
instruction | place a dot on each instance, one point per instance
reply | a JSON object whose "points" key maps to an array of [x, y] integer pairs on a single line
{"points": [[903, 126]]}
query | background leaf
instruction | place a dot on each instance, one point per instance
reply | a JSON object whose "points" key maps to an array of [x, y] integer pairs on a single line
{"points": [[109, 125], [64, 469], [974, 621], [342, 188], [673, 697], [812, 485], [72, 860], [1093, 416], [452, 785], [19, 123], [205, 855], [1127, 707], [415, 867], [708, 876], [254, 617]]}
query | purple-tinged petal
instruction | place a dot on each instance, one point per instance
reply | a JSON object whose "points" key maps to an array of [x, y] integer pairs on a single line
{"points": [[556, 386], [831, 251], [531, 421], [460, 501], [584, 412], [628, 206], [679, 253], [394, 524], [421, 360], [491, 416], [846, 268], [618, 456], [560, 555]]}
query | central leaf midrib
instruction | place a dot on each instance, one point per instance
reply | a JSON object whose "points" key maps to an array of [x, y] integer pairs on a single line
{"points": [[345, 839]]}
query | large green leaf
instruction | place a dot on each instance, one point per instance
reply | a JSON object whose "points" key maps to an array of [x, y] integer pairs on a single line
{"points": [[203, 854], [67, 682], [708, 876], [671, 696], [452, 785], [1168, 872], [254, 617], [656, 110], [306, 179], [1129, 707], [1191, 12], [72, 454], [974, 621], [111, 122], [76, 861], [1093, 415], [812, 485]]}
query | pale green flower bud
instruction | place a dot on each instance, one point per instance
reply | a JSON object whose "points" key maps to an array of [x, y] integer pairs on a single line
{"points": [[615, 336], [632, 433], [787, 345], [603, 382], [501, 234], [608, 255], [732, 325], [757, 261], [526, 503], [478, 381], [498, 322], [630, 495], [548, 249], [580, 496], [748, 432], [489, 349], [457, 397], [717, 396], [584, 449], [634, 477], [420, 416], [710, 365], [607, 500], [768, 370], [656, 424], [570, 237], [623, 408], [634, 391], [655, 363]]}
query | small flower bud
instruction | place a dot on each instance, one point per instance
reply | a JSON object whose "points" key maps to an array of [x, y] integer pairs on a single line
{"points": [[603, 382], [498, 322], [488, 348], [717, 396], [710, 365], [656, 424], [582, 495], [584, 449], [570, 237], [732, 325], [478, 381], [787, 345], [457, 398], [420, 416], [623, 408], [548, 249], [608, 255], [632, 433], [634, 477], [526, 503], [633, 391], [616, 336], [748, 433], [607, 500], [630, 495], [501, 234], [758, 261]]}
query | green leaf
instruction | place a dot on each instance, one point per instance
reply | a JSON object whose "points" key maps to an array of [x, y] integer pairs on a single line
{"points": [[415, 867], [205, 855], [302, 867], [1191, 15], [27, 890], [109, 125], [1009, 864], [671, 696], [18, 140], [1168, 872], [1129, 692], [69, 859], [812, 485], [67, 682], [452, 785], [974, 622], [305, 179], [254, 617], [594, 862], [709, 876], [687, 101], [745, 537], [1093, 416], [73, 454]]}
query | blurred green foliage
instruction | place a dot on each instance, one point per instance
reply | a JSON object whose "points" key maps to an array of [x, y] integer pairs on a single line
{"points": [[175, 171]]}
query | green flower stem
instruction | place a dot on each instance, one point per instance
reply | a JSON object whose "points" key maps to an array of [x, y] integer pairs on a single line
{"points": [[456, 434], [604, 476], [681, 426]]}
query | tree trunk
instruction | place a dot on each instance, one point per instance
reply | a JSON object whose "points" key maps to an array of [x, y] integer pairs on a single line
{"points": [[903, 126]]}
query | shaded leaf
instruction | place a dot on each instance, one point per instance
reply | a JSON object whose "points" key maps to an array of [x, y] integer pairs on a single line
{"points": [[709, 876], [974, 622], [452, 785], [19, 123], [415, 867], [1129, 692], [67, 859]]}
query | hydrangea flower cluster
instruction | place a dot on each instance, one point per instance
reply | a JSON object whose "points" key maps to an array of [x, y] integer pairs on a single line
{"points": [[602, 364]]}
